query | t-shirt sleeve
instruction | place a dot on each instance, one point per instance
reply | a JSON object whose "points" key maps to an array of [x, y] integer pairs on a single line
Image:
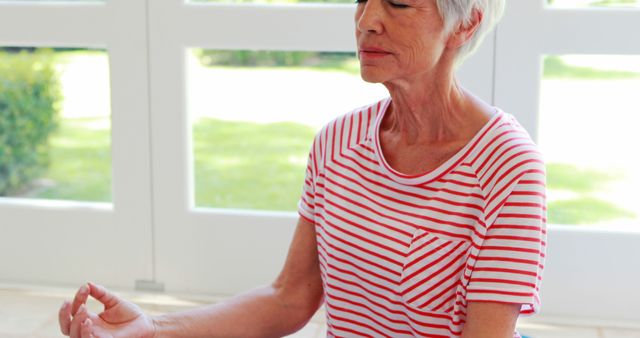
{"points": [[306, 204], [511, 257]]}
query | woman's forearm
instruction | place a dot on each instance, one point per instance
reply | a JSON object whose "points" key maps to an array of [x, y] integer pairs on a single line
{"points": [[261, 312]]}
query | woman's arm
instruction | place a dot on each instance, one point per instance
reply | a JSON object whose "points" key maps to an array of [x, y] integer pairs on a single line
{"points": [[490, 320], [271, 311], [276, 310]]}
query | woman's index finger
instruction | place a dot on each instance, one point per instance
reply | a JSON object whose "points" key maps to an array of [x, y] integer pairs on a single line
{"points": [[80, 298]]}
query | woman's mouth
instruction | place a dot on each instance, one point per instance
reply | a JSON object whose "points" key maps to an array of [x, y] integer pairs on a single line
{"points": [[372, 53]]}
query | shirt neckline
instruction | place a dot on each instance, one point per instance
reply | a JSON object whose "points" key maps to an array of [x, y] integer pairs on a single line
{"points": [[437, 172]]}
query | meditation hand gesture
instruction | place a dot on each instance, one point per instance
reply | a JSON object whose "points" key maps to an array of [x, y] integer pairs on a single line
{"points": [[119, 319]]}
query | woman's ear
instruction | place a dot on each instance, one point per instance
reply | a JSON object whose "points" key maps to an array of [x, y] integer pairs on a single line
{"points": [[463, 33]]}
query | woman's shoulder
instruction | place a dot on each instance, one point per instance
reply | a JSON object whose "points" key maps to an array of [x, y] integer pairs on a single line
{"points": [[505, 151], [504, 133]]}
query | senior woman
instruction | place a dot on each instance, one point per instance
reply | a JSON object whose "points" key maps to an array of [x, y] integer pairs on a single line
{"points": [[422, 214]]}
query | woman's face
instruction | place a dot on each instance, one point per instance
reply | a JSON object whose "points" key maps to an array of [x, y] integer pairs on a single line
{"points": [[399, 39]]}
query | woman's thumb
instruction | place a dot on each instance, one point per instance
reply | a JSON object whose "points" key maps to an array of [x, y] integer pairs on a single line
{"points": [[104, 296]]}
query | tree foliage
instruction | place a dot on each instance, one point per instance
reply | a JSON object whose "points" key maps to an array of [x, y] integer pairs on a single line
{"points": [[29, 99]]}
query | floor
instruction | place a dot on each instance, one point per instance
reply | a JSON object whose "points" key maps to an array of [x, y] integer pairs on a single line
{"points": [[32, 312]]}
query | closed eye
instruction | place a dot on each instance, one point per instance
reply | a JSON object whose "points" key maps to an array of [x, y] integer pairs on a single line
{"points": [[397, 5], [392, 3]]}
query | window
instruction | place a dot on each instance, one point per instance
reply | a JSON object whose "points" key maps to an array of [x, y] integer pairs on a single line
{"points": [[254, 115], [63, 100], [96, 189], [171, 110], [566, 74], [587, 133]]}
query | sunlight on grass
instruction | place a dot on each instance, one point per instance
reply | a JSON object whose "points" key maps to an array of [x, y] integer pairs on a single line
{"points": [[272, 60], [237, 165], [583, 206], [585, 210], [556, 67], [80, 166], [249, 165], [66, 56], [563, 176]]}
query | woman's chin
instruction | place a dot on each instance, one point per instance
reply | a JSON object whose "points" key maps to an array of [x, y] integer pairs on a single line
{"points": [[370, 75]]}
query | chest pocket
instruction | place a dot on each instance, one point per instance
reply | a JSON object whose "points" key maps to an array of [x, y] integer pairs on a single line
{"points": [[432, 270]]}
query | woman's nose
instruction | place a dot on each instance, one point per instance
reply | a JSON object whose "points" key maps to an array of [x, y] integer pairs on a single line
{"points": [[369, 17]]}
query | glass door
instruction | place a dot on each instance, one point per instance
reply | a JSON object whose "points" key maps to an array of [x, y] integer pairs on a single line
{"points": [[238, 91], [568, 70], [75, 193]]}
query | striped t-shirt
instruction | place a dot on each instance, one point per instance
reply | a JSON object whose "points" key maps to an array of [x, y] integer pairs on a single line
{"points": [[400, 256]]}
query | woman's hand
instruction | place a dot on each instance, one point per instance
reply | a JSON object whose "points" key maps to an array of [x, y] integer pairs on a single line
{"points": [[119, 319]]}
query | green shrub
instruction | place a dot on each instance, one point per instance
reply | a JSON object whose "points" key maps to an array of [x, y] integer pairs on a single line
{"points": [[248, 58], [29, 99]]}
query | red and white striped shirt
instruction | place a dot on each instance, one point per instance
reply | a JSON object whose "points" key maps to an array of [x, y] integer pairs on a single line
{"points": [[400, 256]]}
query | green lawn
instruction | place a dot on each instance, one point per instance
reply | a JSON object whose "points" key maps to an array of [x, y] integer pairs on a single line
{"points": [[237, 165], [556, 68], [584, 206], [585, 210], [80, 166], [261, 166], [250, 165]]}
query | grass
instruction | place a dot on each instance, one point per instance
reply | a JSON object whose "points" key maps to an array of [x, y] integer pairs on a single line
{"points": [[237, 165], [65, 56], [563, 176], [585, 210], [244, 165], [80, 166], [556, 68], [249, 165], [278, 60], [583, 207]]}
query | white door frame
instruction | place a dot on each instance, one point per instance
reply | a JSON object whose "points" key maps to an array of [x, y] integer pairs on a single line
{"points": [[591, 275], [55, 242]]}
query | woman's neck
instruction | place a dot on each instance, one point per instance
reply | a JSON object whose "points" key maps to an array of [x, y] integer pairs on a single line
{"points": [[427, 112]]}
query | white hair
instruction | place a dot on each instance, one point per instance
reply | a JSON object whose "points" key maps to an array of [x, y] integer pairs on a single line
{"points": [[460, 12]]}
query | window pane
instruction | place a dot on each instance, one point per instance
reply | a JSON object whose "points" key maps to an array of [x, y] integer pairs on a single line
{"points": [[254, 115], [588, 133], [55, 124], [594, 3]]}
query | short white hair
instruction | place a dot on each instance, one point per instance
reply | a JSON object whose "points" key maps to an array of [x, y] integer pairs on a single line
{"points": [[460, 12]]}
